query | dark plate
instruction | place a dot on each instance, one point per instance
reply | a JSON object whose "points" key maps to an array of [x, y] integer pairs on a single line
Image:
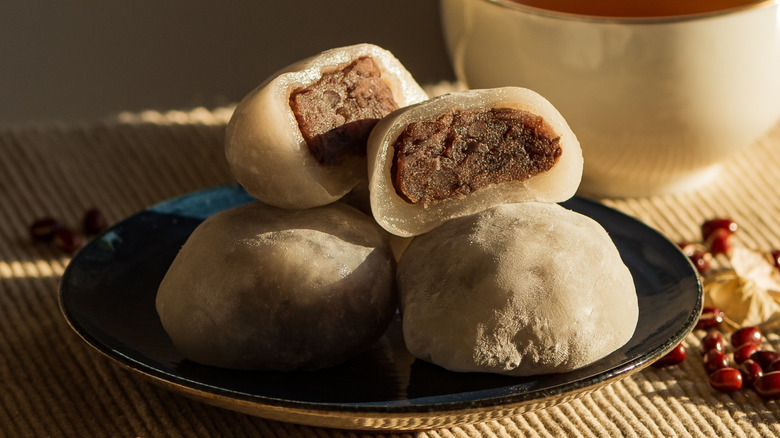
{"points": [[108, 292]]}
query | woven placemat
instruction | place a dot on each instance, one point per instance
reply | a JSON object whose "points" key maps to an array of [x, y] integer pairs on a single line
{"points": [[53, 384]]}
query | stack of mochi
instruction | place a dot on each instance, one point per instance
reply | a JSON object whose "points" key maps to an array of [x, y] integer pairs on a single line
{"points": [[373, 198]]}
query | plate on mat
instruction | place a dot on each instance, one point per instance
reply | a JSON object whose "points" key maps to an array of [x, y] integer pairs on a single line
{"points": [[108, 292]]}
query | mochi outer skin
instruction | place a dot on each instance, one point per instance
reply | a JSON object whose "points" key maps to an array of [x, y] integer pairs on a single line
{"points": [[403, 218], [265, 149], [262, 288], [519, 289]]}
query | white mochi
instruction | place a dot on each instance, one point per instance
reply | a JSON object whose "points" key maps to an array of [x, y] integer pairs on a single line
{"points": [[403, 218], [519, 289], [266, 151], [262, 288]]}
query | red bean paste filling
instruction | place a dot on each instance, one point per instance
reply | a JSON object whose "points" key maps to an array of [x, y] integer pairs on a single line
{"points": [[336, 113], [463, 151]]}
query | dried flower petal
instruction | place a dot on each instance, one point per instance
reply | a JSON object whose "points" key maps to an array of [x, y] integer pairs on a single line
{"points": [[742, 300], [753, 266]]}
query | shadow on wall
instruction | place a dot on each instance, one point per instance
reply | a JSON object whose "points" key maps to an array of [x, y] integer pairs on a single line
{"points": [[67, 63]]}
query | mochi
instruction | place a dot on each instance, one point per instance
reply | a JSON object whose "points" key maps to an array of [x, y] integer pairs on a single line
{"points": [[298, 140], [463, 152], [517, 289], [262, 288]]}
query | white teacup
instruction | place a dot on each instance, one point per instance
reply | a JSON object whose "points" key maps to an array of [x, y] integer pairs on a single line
{"points": [[658, 103]]}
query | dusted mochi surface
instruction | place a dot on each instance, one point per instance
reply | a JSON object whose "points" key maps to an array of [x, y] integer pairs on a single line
{"points": [[519, 289], [266, 151], [263, 288], [403, 218]]}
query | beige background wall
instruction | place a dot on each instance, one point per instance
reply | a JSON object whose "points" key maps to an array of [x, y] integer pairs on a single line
{"points": [[74, 61]]}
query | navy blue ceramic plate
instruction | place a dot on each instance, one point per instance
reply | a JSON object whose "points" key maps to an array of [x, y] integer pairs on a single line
{"points": [[108, 292]]}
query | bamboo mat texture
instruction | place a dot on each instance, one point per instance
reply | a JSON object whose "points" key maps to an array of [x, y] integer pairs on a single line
{"points": [[54, 385]]}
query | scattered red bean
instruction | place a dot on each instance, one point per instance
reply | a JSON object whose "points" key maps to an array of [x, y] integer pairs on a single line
{"points": [[751, 371], [746, 335], [94, 222], [743, 352], [66, 240], [674, 357], [768, 385], [713, 340], [726, 379], [715, 360], [720, 241], [51, 230], [710, 317], [701, 260], [43, 229], [765, 357], [709, 226], [716, 235], [774, 366], [757, 369]]}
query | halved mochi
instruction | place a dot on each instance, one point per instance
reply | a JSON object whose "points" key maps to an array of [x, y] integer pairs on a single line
{"points": [[463, 152], [299, 139]]}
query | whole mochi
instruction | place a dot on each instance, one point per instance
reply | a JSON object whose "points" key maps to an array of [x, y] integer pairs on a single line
{"points": [[262, 288], [518, 289]]}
